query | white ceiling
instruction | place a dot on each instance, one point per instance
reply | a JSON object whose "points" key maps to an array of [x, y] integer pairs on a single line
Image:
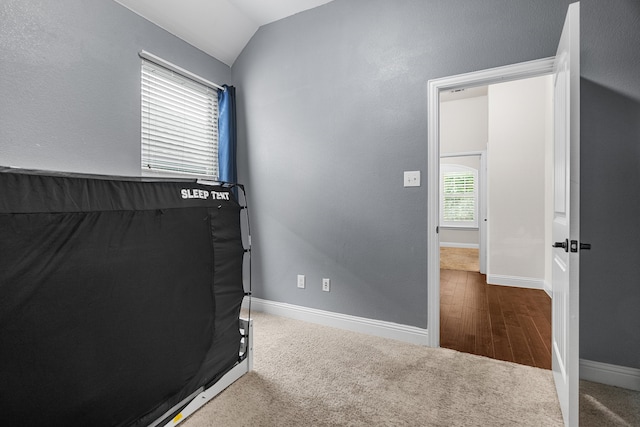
{"points": [[221, 28]]}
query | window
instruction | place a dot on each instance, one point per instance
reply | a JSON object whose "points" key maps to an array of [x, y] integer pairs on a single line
{"points": [[179, 123], [458, 196]]}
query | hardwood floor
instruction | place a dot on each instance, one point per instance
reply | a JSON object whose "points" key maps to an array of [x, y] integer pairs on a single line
{"points": [[501, 322]]}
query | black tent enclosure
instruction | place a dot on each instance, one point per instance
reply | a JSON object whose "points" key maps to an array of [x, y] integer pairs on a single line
{"points": [[119, 298]]}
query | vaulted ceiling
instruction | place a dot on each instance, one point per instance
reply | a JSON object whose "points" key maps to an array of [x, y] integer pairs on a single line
{"points": [[221, 28]]}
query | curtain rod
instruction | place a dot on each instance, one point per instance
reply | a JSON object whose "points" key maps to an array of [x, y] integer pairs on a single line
{"points": [[173, 67]]}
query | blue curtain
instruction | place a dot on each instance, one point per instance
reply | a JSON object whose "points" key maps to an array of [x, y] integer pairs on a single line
{"points": [[227, 135]]}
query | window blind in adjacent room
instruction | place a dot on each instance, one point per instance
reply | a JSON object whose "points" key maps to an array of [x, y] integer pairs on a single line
{"points": [[459, 196]]}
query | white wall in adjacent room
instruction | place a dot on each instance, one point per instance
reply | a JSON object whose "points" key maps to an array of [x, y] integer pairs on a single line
{"points": [[518, 137]]}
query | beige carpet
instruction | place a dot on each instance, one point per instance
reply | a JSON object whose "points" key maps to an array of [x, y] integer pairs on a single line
{"points": [[607, 406], [463, 259], [310, 375]]}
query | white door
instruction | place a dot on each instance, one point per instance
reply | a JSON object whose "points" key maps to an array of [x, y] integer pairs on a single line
{"points": [[566, 217]]}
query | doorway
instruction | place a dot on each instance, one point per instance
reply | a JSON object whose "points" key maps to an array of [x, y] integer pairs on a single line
{"points": [[481, 78], [496, 315], [463, 200]]}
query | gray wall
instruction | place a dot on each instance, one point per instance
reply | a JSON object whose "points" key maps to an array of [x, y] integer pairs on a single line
{"points": [[70, 83], [332, 110], [610, 179]]}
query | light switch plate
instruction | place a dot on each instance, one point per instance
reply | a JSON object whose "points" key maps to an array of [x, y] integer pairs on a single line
{"points": [[412, 178]]}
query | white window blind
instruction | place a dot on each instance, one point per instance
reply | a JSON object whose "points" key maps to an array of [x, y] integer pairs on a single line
{"points": [[459, 196], [179, 123]]}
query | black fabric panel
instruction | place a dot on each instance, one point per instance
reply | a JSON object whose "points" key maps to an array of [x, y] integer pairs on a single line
{"points": [[44, 193], [229, 252], [228, 294], [108, 310]]}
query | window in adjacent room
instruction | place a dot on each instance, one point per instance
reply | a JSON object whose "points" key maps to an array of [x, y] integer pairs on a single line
{"points": [[179, 123], [458, 196]]}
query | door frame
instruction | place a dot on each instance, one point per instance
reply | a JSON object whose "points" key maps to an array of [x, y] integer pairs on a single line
{"points": [[523, 70]]}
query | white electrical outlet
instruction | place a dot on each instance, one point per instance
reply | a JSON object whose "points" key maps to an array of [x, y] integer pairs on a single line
{"points": [[326, 285], [301, 281], [412, 178]]}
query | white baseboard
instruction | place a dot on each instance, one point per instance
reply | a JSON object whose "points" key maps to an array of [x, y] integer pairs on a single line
{"points": [[517, 282], [548, 289], [459, 245], [604, 373], [379, 328]]}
